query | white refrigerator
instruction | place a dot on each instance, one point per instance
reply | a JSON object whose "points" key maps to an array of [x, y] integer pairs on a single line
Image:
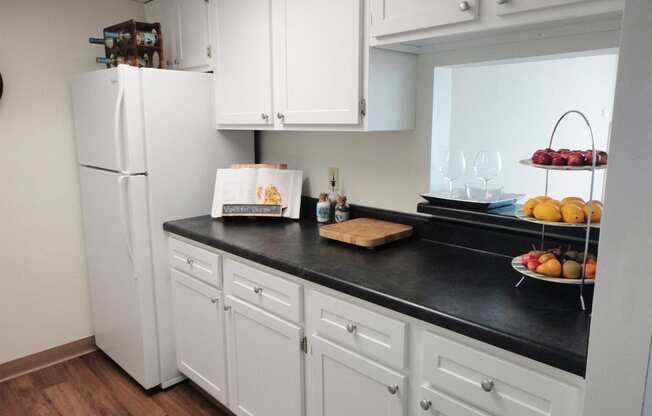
{"points": [[148, 151]]}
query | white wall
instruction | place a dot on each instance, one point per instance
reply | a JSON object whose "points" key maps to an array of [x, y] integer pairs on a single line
{"points": [[512, 107], [43, 287]]}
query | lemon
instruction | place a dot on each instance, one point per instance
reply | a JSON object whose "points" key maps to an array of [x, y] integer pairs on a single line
{"points": [[596, 214], [547, 212], [572, 214]]}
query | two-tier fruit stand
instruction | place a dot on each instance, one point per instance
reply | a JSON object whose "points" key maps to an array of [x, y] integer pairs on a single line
{"points": [[516, 263]]}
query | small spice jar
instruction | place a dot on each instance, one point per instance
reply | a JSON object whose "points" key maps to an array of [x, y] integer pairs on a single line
{"points": [[323, 208], [342, 210]]}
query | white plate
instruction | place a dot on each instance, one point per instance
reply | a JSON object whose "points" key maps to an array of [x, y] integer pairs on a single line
{"points": [[516, 264], [528, 162], [521, 215]]}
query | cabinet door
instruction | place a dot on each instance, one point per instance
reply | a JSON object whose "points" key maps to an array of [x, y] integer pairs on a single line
{"points": [[265, 362], [199, 333], [166, 13], [517, 6], [243, 62], [318, 61], [347, 384], [390, 17], [193, 34]]}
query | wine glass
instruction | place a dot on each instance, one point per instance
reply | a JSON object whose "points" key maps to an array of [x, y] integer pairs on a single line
{"points": [[487, 166], [453, 166]]}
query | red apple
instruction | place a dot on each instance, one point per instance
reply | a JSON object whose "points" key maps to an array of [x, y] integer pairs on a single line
{"points": [[559, 159], [576, 159], [541, 158], [533, 264]]}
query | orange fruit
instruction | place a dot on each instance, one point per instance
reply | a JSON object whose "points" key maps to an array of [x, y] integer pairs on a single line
{"points": [[596, 214], [590, 270], [547, 212], [551, 268], [572, 214]]}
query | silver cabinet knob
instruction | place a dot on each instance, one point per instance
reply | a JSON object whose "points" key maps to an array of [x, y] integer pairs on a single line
{"points": [[465, 6], [425, 404], [258, 290], [487, 385], [351, 328], [502, 1], [392, 388], [227, 308], [280, 116], [264, 116], [214, 300]]}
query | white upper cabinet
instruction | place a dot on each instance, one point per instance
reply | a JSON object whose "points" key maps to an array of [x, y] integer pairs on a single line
{"points": [[307, 65], [319, 61], [428, 24], [398, 16], [193, 34], [186, 28], [243, 63]]}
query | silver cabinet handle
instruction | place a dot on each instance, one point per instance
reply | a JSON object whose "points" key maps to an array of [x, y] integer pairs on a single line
{"points": [[227, 308], [214, 300], [351, 328], [502, 1], [425, 404], [280, 116], [465, 6], [258, 290], [264, 116], [487, 385], [392, 388]]}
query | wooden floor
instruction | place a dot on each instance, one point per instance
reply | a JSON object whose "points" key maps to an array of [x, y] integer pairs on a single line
{"points": [[94, 385]]}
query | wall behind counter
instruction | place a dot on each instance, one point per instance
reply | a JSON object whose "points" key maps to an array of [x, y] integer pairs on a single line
{"points": [[383, 169]]}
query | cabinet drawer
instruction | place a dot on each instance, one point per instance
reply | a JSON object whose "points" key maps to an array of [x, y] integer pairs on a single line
{"points": [[361, 330], [275, 294], [392, 17], [465, 373], [195, 261], [436, 403], [519, 6]]}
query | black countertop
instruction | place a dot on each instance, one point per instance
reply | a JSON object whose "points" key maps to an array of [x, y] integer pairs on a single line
{"points": [[467, 291]]}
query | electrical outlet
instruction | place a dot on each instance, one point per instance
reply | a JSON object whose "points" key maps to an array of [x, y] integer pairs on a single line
{"points": [[334, 173]]}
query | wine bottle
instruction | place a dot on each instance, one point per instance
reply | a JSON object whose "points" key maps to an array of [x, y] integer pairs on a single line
{"points": [[120, 38], [147, 38], [111, 61]]}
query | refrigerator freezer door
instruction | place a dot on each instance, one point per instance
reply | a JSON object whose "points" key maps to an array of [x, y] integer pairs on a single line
{"points": [[119, 268], [107, 108]]}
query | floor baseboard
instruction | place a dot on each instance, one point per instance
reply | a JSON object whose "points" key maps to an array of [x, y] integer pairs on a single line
{"points": [[46, 358]]}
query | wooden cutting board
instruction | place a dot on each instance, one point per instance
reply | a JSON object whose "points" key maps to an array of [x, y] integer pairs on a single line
{"points": [[366, 232]]}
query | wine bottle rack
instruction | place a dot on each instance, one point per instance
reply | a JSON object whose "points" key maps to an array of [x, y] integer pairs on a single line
{"points": [[131, 51]]}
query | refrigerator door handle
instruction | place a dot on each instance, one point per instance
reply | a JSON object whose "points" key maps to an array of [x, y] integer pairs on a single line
{"points": [[123, 192], [117, 133]]}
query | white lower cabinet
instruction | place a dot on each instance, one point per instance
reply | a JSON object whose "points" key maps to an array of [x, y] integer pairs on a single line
{"points": [[265, 362], [348, 384], [357, 361], [199, 333]]}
